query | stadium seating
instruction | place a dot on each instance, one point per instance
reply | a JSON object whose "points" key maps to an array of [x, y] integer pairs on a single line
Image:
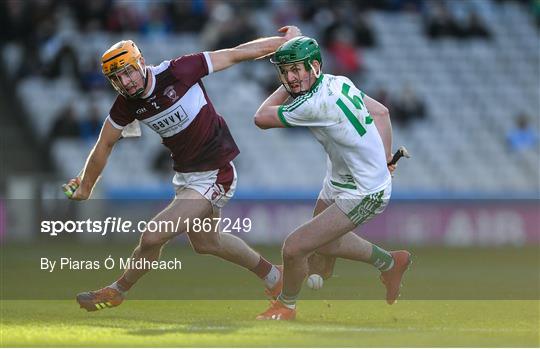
{"points": [[472, 89]]}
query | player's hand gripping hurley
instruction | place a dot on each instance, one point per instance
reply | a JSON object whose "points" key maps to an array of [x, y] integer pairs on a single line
{"points": [[401, 152], [132, 130]]}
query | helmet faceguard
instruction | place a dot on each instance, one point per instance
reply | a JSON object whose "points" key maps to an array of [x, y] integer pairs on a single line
{"points": [[288, 59], [294, 69], [124, 79], [120, 64]]}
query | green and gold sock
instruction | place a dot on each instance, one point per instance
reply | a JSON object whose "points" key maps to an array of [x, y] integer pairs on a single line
{"points": [[288, 301], [380, 258]]}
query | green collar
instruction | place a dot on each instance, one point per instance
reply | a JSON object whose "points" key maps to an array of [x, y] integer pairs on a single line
{"points": [[317, 83]]}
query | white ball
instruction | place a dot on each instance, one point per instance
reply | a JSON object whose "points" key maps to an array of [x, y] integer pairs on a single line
{"points": [[315, 282]]}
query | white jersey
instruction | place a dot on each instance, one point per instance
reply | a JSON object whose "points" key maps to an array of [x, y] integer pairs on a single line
{"points": [[336, 114]]}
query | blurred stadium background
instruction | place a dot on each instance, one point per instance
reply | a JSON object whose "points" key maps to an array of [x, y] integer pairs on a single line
{"points": [[461, 80]]}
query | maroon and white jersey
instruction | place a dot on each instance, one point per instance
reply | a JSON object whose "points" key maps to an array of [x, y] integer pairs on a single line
{"points": [[179, 110]]}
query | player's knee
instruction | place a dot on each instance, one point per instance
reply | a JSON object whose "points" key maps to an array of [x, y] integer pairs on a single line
{"points": [[151, 240], [206, 247], [293, 249]]}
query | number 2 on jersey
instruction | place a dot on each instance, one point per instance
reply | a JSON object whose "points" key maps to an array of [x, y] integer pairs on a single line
{"points": [[359, 104]]}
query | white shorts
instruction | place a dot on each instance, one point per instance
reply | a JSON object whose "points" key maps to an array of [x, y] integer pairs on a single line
{"points": [[358, 207], [217, 186]]}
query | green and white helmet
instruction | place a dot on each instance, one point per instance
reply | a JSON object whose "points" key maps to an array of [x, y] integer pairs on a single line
{"points": [[299, 49]]}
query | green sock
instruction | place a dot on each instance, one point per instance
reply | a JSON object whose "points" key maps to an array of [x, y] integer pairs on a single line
{"points": [[381, 259]]}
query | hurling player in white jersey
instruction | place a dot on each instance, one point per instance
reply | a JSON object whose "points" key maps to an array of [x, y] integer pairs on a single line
{"points": [[356, 133], [172, 101]]}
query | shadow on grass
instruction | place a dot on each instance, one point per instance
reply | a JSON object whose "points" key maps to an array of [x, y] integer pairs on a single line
{"points": [[153, 327], [202, 327]]}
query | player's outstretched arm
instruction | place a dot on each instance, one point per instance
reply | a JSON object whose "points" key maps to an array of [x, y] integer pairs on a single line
{"points": [[95, 163], [381, 116], [222, 59], [267, 114]]}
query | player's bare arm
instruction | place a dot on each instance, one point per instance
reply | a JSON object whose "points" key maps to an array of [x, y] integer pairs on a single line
{"points": [[96, 162], [267, 114], [381, 116], [223, 59], [294, 78]]}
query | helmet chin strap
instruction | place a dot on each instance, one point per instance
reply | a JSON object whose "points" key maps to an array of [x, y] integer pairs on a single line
{"points": [[317, 74], [145, 75], [146, 78]]}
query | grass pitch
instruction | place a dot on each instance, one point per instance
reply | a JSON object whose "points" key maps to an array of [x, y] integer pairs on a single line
{"points": [[231, 324], [452, 297]]}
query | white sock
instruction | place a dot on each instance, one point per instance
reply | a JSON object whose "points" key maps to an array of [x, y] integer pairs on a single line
{"points": [[271, 279]]}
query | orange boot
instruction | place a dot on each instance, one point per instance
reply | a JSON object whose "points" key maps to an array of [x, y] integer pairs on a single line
{"points": [[277, 311], [392, 278], [106, 297]]}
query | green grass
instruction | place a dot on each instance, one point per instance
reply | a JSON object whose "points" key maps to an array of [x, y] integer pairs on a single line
{"points": [[231, 324], [452, 297]]}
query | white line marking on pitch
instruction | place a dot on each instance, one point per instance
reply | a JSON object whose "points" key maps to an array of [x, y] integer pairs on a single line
{"points": [[308, 328]]}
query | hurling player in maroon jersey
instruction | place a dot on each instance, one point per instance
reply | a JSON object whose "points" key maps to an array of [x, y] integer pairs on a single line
{"points": [[170, 98]]}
